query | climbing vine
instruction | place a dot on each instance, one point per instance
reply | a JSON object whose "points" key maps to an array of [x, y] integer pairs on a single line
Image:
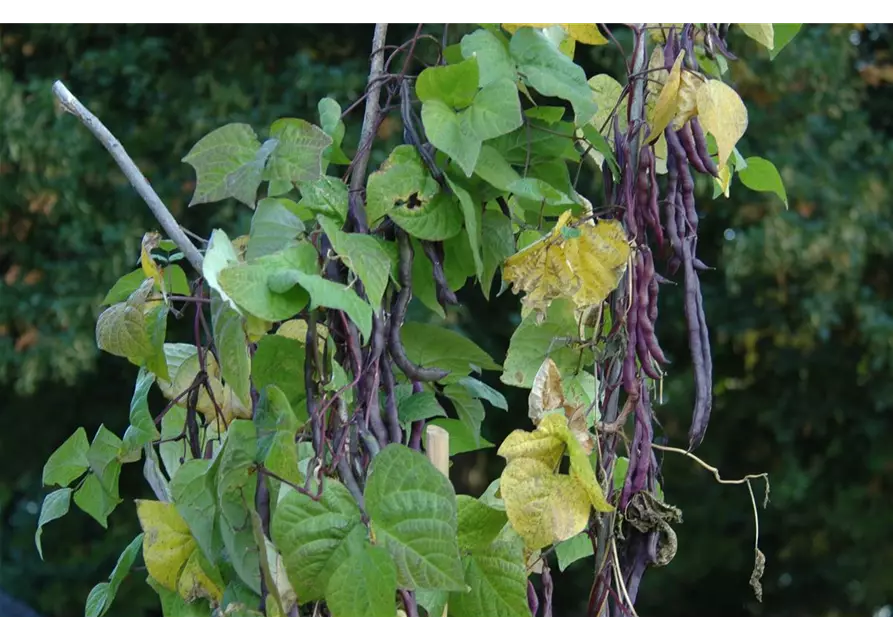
{"points": [[298, 467]]}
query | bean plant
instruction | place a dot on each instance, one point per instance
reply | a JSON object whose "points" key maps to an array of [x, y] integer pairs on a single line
{"points": [[301, 464]]}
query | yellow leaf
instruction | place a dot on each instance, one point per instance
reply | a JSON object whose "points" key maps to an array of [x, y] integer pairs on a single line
{"points": [[543, 508], [687, 102], [255, 328], [762, 33], [167, 544], [545, 394], [195, 583], [540, 445], [724, 180], [150, 267], [585, 33], [297, 330], [722, 113], [606, 92], [585, 267], [665, 109], [582, 472]]}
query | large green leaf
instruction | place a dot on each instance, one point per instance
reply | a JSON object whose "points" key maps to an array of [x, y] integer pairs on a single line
{"points": [[534, 144], [314, 538], [69, 461], [364, 585], [532, 343], [104, 461], [453, 84], [121, 330], [495, 169], [497, 579], [228, 163], [274, 226], [232, 348], [573, 549], [433, 346], [95, 501], [247, 285], [492, 55], [419, 406], [479, 524], [298, 154], [55, 505], [452, 133], [103, 594], [404, 190], [279, 361], [194, 493], [546, 69], [326, 196], [412, 512], [364, 255], [236, 486], [496, 110]]}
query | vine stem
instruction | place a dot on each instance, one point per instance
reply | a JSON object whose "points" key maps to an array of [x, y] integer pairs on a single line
{"points": [[373, 106], [165, 218]]}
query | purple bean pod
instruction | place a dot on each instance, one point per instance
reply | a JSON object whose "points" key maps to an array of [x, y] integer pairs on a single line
{"points": [[688, 143], [700, 141]]}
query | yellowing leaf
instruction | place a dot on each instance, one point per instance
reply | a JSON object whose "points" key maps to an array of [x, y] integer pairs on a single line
{"points": [[150, 241], [543, 508], [541, 445], [762, 33], [582, 472], [687, 100], [168, 544], [665, 109], [724, 180], [297, 330], [584, 268], [585, 33], [722, 113], [195, 583], [546, 394]]}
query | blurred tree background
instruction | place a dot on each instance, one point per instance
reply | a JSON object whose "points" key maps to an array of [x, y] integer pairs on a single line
{"points": [[800, 304]]}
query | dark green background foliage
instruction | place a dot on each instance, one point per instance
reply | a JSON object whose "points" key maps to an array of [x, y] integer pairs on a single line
{"points": [[799, 305]]}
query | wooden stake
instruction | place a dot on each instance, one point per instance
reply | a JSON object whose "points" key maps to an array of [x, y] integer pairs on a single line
{"points": [[438, 449]]}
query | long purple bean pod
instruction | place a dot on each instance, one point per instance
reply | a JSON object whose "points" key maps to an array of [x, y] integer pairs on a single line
{"points": [[688, 143], [702, 370], [701, 147]]}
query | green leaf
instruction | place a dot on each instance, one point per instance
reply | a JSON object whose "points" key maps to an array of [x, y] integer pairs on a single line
{"points": [[232, 348], [103, 594], [125, 285], [330, 121], [236, 486], [784, 33], [573, 549], [598, 142], [172, 425], [279, 361], [69, 461], [142, 428], [761, 175], [458, 261], [543, 142], [314, 538], [494, 61], [498, 244], [419, 406], [497, 581], [464, 437], [479, 524], [364, 255], [432, 601], [451, 133], [479, 389], [325, 293], [432, 346], [104, 461], [326, 196], [551, 73], [472, 213], [404, 190], [298, 154], [495, 169], [546, 114], [496, 110], [364, 585], [412, 512], [95, 501], [531, 343], [273, 227], [194, 494], [55, 505], [469, 409], [423, 287], [175, 281], [156, 329], [538, 192], [228, 163], [762, 33], [453, 84]]}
